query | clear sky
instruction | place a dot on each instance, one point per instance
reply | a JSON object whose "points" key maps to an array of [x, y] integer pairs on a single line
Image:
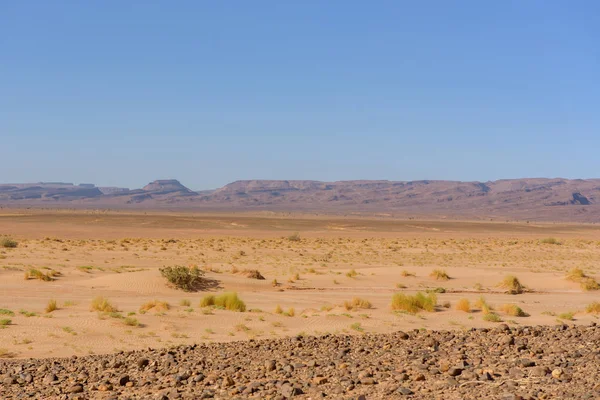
{"points": [[208, 92]]}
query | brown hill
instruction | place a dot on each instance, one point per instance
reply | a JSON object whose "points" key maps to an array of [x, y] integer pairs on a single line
{"points": [[533, 199]]}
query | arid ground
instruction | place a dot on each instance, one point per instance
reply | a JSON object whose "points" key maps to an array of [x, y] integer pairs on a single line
{"points": [[314, 267]]}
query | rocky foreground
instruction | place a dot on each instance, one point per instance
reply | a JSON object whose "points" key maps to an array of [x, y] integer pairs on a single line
{"points": [[502, 363]]}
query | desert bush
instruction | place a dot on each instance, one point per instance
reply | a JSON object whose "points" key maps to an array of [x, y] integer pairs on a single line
{"points": [[593, 308], [550, 240], [482, 304], [439, 274], [357, 303], [130, 321], [5, 322], [103, 305], [8, 242], [155, 305], [33, 273], [294, 238], [590, 284], [512, 284], [513, 310], [586, 282], [253, 274], [352, 273], [185, 303], [406, 274], [228, 301], [4, 311], [51, 306], [492, 317], [463, 305], [415, 303], [290, 312], [183, 277], [569, 316], [278, 309]]}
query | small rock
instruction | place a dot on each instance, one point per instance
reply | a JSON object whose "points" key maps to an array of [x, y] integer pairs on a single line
{"points": [[404, 391], [455, 371], [75, 389]]}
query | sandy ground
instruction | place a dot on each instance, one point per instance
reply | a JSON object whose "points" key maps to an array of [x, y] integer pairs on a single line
{"points": [[117, 255]]}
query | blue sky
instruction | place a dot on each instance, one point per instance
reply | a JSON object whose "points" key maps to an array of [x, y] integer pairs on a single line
{"points": [[121, 93]]}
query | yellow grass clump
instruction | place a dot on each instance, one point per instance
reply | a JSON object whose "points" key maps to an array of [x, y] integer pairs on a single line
{"points": [[103, 305], [586, 282], [463, 305], [51, 306], [439, 274], [155, 305], [278, 309], [415, 303], [512, 284], [33, 273], [357, 303], [513, 310], [482, 304], [227, 301], [593, 308]]}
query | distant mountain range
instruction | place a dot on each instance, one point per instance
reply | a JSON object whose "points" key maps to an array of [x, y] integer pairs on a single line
{"points": [[533, 199]]}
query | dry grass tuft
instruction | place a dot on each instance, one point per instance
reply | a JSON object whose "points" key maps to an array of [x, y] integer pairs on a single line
{"points": [[278, 309], [357, 303], [8, 243], [33, 273], [103, 305], [155, 305], [492, 317], [414, 304], [51, 306], [586, 282], [593, 308], [463, 305], [227, 301], [439, 274], [512, 284], [482, 304], [513, 310], [253, 274], [407, 274]]}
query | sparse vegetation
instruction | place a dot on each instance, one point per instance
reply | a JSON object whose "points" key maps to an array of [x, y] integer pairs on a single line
{"points": [[33, 273], [492, 317], [294, 238], [227, 301], [4, 311], [463, 305], [8, 243], [182, 277], [586, 282], [407, 274], [357, 303], [185, 303], [482, 304], [103, 305], [550, 240], [51, 306], [513, 310], [415, 303], [253, 274], [593, 308], [155, 305], [512, 284], [131, 321], [278, 309], [568, 316], [4, 322], [439, 274], [352, 273]]}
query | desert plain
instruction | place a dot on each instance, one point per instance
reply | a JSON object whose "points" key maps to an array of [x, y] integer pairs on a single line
{"points": [[324, 276]]}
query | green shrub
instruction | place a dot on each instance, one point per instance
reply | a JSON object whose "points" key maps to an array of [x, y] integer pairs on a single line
{"points": [[228, 301], [5, 322], [4, 311], [414, 304], [182, 277]]}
